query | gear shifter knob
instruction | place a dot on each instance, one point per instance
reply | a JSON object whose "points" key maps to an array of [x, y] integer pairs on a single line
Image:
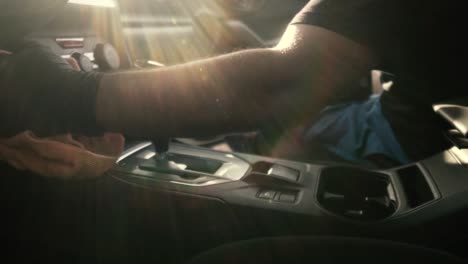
{"points": [[161, 147]]}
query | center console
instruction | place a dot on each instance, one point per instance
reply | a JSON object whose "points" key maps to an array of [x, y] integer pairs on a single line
{"points": [[328, 193], [207, 198]]}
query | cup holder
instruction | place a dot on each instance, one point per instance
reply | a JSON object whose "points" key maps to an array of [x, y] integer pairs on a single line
{"points": [[357, 194]]}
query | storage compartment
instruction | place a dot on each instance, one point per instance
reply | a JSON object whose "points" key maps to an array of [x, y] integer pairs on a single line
{"points": [[415, 186], [357, 194]]}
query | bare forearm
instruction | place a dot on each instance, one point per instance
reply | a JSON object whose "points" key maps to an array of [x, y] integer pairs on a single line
{"points": [[217, 95], [236, 91]]}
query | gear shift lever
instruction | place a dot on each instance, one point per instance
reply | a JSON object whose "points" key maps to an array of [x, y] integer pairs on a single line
{"points": [[161, 147]]}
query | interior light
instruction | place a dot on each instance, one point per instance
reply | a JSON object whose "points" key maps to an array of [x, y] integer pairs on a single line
{"points": [[103, 3]]}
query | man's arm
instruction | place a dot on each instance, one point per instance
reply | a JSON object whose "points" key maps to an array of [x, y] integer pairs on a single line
{"points": [[235, 91]]}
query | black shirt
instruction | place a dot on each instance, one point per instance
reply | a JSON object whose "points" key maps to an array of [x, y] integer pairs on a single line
{"points": [[418, 41]]}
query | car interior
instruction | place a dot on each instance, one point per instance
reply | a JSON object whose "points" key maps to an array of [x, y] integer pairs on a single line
{"points": [[216, 191]]}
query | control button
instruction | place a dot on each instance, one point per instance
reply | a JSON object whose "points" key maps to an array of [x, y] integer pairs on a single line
{"points": [[287, 197], [85, 63], [107, 57], [284, 172], [267, 194]]}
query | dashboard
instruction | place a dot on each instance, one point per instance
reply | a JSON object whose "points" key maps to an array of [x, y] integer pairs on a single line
{"points": [[164, 32], [245, 6], [81, 31]]}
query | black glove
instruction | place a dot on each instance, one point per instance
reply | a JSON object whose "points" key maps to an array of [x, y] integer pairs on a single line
{"points": [[40, 91]]}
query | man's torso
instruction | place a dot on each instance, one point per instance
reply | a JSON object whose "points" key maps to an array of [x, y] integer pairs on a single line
{"points": [[420, 42]]}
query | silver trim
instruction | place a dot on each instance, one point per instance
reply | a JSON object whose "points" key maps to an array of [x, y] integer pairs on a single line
{"points": [[233, 169], [69, 39], [132, 150]]}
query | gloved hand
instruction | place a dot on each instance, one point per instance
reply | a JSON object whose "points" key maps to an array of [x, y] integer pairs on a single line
{"points": [[41, 92]]}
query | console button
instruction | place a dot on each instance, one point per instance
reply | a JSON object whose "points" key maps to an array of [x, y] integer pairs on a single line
{"points": [[107, 57], [267, 194], [287, 197], [84, 62], [284, 172]]}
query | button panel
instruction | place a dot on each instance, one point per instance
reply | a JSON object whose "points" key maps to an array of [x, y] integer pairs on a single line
{"points": [[267, 194], [278, 196]]}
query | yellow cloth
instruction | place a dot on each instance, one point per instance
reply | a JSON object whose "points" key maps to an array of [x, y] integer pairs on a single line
{"points": [[63, 156]]}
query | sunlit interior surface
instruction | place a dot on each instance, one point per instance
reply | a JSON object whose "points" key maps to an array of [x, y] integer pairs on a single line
{"points": [[200, 29], [104, 3], [170, 31]]}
